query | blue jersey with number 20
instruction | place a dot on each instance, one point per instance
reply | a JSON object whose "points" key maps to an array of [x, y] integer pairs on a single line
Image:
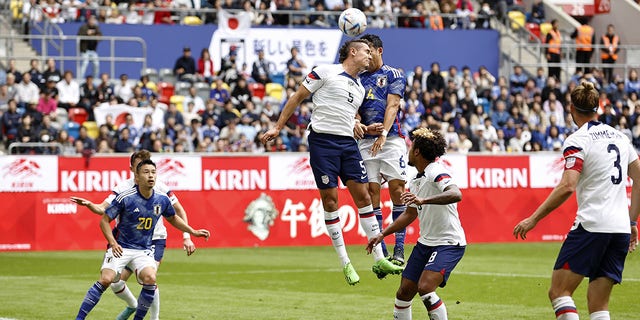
{"points": [[138, 217]]}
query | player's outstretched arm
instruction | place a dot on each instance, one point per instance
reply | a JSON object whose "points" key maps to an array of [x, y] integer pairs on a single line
{"points": [[95, 208], [180, 225], [558, 196], [405, 219], [291, 105], [187, 244]]}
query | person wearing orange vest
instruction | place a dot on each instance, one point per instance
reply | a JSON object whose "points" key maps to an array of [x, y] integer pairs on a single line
{"points": [[435, 20], [554, 41], [585, 38], [609, 52]]}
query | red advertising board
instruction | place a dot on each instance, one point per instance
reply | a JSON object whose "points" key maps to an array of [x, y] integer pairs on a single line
{"points": [[237, 203]]}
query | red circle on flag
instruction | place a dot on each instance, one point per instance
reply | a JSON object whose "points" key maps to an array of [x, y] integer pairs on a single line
{"points": [[233, 23]]}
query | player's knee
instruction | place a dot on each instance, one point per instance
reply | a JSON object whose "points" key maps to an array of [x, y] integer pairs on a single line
{"points": [[425, 287], [405, 294], [147, 277]]}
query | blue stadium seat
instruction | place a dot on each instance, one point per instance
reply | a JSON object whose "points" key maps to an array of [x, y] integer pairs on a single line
{"points": [[73, 128]]}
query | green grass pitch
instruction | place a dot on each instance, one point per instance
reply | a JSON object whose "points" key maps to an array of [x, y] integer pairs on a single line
{"points": [[493, 281]]}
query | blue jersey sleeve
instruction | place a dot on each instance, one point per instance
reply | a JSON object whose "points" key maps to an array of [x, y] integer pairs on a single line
{"points": [[397, 83], [168, 211], [115, 208]]}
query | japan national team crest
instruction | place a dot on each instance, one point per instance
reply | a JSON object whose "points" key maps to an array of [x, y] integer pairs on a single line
{"points": [[381, 81], [157, 209]]}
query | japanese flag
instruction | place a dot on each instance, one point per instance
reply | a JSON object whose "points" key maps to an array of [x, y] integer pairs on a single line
{"points": [[229, 23]]}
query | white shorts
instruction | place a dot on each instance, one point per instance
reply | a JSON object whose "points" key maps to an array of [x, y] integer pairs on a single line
{"points": [[389, 164], [135, 259]]}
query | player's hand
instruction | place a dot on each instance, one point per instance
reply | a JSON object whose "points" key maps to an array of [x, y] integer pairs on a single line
{"points": [[188, 246], [409, 198], [523, 227], [377, 145], [375, 129], [633, 243], [270, 135], [374, 241], [202, 233], [81, 201], [116, 249], [359, 130]]}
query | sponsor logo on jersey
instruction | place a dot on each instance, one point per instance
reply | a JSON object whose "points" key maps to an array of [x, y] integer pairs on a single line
{"points": [[136, 210], [381, 81]]}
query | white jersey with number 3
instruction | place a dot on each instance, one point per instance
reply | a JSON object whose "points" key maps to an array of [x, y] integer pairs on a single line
{"points": [[160, 231], [336, 99], [439, 224], [602, 156]]}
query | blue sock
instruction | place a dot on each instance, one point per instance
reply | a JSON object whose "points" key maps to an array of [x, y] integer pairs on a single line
{"points": [[144, 300], [378, 213], [395, 213], [90, 300]]}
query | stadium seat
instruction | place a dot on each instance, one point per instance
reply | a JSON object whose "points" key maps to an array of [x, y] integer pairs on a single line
{"points": [[278, 78], [224, 85], [92, 129], [152, 73], [151, 85], [534, 28], [16, 9], [257, 90], [182, 88], [192, 21], [177, 100], [545, 27], [203, 90], [517, 19], [78, 115], [166, 75], [165, 91], [275, 90], [73, 128]]}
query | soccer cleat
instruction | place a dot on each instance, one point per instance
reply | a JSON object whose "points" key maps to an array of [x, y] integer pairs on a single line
{"points": [[383, 267], [350, 274], [398, 256], [126, 313]]}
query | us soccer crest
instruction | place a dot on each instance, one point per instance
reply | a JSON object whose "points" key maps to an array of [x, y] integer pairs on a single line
{"points": [[381, 81], [260, 214], [157, 209]]}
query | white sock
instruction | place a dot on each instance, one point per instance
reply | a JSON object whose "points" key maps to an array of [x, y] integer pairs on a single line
{"points": [[435, 306], [600, 315], [154, 310], [334, 229], [371, 228], [122, 291], [565, 308], [402, 310]]}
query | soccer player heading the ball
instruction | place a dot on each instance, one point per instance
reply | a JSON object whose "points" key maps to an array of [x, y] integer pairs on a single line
{"points": [[432, 198], [337, 95], [598, 160], [382, 145], [138, 210]]}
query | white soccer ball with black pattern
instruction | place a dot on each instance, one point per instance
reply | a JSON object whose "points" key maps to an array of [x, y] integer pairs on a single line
{"points": [[352, 22]]}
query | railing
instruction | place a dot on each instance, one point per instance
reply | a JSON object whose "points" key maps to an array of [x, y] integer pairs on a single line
{"points": [[629, 58], [42, 145], [58, 42]]}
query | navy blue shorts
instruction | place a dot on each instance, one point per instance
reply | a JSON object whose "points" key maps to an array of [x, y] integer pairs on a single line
{"points": [[333, 156], [442, 259], [593, 254], [157, 246]]}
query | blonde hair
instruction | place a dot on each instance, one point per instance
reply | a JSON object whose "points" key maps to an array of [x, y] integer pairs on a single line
{"points": [[585, 98]]}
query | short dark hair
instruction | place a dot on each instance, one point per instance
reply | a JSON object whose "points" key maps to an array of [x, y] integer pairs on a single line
{"points": [[376, 42], [343, 53], [145, 162]]}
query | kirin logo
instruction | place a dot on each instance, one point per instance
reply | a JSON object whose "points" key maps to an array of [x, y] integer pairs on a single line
{"points": [[21, 169]]}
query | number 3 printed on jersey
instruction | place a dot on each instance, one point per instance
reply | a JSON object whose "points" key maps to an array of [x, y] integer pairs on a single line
{"points": [[616, 164]]}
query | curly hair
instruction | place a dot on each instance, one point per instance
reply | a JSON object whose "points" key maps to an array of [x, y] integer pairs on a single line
{"points": [[430, 143], [343, 53]]}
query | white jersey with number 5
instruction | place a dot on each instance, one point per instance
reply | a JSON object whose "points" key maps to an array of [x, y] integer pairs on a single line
{"points": [[602, 156], [336, 99], [439, 224], [160, 231]]}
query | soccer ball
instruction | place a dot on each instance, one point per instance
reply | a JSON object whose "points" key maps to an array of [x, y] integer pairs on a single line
{"points": [[352, 22]]}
